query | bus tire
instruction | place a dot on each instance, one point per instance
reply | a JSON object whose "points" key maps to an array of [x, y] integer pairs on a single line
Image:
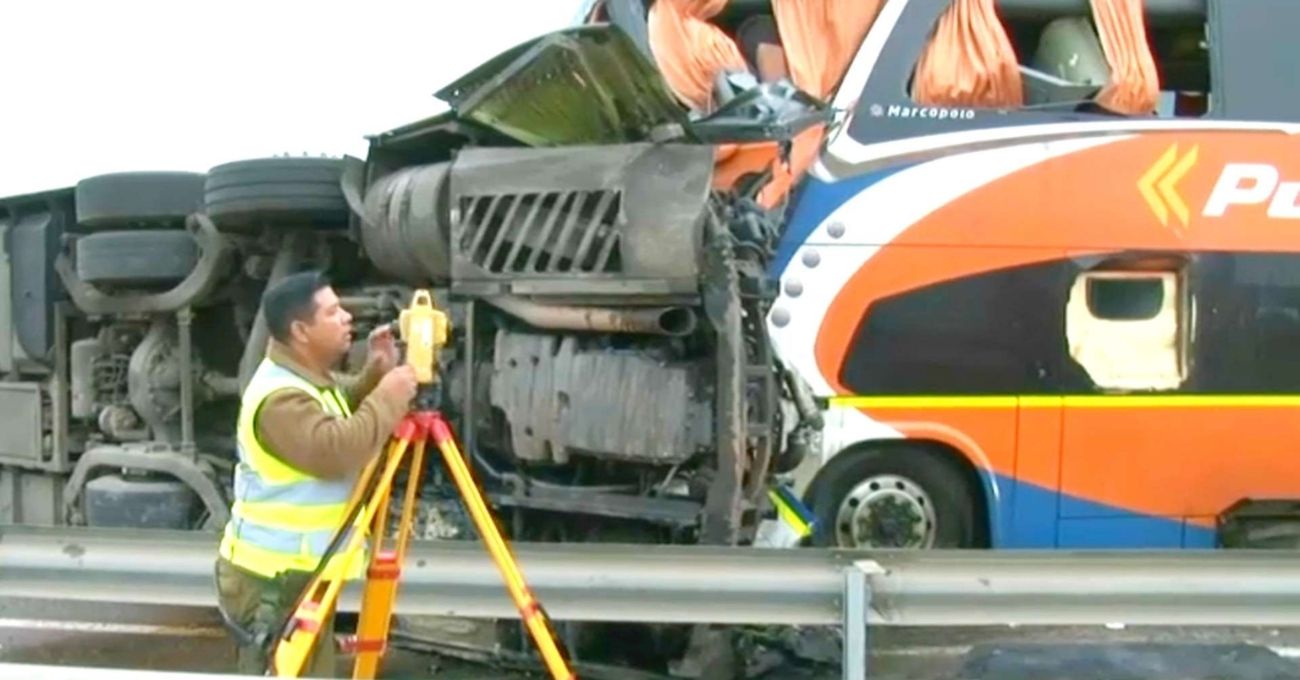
{"points": [[894, 496]]}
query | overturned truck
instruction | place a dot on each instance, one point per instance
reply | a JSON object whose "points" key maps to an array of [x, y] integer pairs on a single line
{"points": [[609, 372]]}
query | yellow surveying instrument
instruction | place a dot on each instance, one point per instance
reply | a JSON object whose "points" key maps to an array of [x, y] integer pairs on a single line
{"points": [[424, 330]]}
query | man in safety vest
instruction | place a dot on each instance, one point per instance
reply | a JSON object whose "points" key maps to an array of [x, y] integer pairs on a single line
{"points": [[303, 435]]}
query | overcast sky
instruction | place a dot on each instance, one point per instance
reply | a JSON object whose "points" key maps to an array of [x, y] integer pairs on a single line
{"points": [[95, 86]]}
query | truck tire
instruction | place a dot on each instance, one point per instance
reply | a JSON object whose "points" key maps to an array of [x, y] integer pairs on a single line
{"points": [[114, 501], [1260, 523], [245, 195], [150, 199], [893, 497], [145, 257]]}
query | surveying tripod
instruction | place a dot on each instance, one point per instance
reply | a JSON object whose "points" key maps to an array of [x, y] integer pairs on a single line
{"points": [[424, 330]]}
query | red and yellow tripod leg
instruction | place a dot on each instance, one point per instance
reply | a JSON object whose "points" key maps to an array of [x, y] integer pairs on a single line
{"points": [[290, 654], [529, 609], [382, 578]]}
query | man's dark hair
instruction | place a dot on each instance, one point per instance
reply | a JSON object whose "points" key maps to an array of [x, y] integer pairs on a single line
{"points": [[291, 299]]}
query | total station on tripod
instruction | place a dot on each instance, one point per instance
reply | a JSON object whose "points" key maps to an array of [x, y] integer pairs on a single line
{"points": [[422, 332]]}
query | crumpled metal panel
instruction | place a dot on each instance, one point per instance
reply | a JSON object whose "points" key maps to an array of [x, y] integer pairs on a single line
{"points": [[560, 400], [583, 85], [593, 84]]}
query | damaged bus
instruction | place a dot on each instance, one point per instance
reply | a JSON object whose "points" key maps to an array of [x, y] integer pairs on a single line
{"points": [[1054, 302]]}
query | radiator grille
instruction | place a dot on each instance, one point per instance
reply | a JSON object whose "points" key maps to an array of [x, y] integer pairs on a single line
{"points": [[551, 232]]}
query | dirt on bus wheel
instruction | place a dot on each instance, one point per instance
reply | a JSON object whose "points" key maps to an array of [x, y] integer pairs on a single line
{"points": [[942, 474]]}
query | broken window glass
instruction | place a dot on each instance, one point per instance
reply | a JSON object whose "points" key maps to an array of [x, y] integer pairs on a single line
{"points": [[1128, 329]]}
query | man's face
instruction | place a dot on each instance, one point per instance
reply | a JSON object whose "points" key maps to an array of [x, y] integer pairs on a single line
{"points": [[329, 335]]}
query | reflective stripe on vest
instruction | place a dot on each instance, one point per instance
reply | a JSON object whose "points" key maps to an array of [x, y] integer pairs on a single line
{"points": [[283, 518]]}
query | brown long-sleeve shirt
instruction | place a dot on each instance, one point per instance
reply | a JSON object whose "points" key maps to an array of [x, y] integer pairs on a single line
{"points": [[291, 424]]}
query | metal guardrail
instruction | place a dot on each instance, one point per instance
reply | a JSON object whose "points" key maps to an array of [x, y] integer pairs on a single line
{"points": [[695, 584]]}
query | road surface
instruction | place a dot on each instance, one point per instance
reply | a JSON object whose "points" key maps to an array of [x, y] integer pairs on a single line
{"points": [[191, 640]]}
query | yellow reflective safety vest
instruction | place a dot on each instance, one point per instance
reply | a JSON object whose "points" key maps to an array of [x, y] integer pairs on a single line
{"points": [[284, 518]]}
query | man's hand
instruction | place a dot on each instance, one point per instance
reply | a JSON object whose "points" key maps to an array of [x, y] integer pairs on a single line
{"points": [[399, 383], [382, 348]]}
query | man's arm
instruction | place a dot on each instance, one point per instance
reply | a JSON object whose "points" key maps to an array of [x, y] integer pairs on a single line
{"points": [[357, 387], [381, 357], [294, 426]]}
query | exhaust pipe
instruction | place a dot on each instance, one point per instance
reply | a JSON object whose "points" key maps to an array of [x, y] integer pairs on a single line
{"points": [[673, 321]]}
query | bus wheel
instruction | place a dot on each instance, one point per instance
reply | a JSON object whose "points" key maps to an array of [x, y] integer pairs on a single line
{"points": [[893, 497]]}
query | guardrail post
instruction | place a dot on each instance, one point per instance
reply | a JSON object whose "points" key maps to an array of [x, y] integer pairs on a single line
{"points": [[857, 600]]}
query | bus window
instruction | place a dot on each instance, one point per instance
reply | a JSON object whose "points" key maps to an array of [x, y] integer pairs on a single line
{"points": [[1125, 329], [1112, 58], [1261, 340], [996, 332], [969, 60]]}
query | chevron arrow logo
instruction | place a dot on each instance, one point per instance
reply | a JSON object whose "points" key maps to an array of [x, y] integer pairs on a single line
{"points": [[1159, 184]]}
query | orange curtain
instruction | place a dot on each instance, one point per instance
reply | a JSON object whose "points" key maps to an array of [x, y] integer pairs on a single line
{"points": [[969, 61], [690, 50], [820, 38], [1134, 86]]}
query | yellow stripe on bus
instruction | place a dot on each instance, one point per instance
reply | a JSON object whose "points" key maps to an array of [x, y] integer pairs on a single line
{"points": [[925, 402], [1075, 401]]}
